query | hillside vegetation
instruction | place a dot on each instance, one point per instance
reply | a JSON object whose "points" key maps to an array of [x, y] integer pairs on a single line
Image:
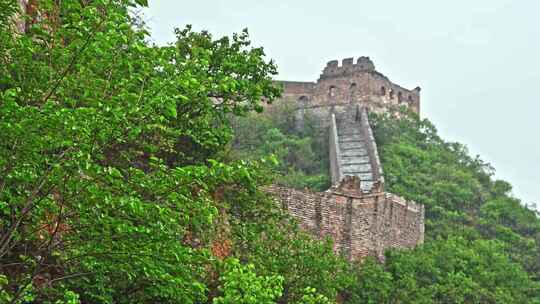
{"points": [[482, 244], [122, 180]]}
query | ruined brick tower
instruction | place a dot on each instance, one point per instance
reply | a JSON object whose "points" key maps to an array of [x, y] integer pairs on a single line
{"points": [[339, 86], [356, 212]]}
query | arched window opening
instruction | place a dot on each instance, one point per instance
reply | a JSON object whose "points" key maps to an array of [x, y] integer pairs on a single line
{"points": [[383, 91], [391, 94], [399, 97], [353, 89], [410, 99], [332, 91], [303, 100]]}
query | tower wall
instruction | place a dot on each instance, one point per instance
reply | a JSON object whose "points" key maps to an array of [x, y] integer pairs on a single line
{"points": [[355, 212], [348, 83], [359, 225]]}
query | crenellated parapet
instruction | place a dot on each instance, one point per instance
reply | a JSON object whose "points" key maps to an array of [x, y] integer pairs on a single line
{"points": [[351, 82], [347, 68]]}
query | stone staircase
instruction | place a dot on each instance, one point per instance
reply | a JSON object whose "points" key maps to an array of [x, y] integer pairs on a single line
{"points": [[355, 151]]}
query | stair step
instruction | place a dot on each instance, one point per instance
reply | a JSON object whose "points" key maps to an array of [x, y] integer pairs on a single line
{"points": [[351, 134], [352, 144], [341, 139], [364, 166], [349, 139], [356, 168], [358, 144], [360, 149], [354, 162], [359, 160], [362, 176], [351, 154], [352, 129], [354, 152]]}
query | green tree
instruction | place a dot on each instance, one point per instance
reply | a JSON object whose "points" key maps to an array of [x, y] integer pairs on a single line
{"points": [[481, 243], [240, 285], [467, 212], [107, 185], [302, 154]]}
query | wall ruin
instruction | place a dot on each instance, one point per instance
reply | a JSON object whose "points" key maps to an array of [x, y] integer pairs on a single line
{"points": [[349, 83], [355, 212], [359, 225]]}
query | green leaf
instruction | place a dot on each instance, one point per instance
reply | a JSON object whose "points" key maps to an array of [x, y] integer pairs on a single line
{"points": [[171, 109], [142, 2]]}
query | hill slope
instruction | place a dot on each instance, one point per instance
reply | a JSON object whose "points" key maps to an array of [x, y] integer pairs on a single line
{"points": [[482, 245]]}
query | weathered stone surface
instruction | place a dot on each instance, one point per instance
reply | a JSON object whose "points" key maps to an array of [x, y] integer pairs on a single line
{"points": [[353, 149], [359, 225], [351, 83], [355, 212]]}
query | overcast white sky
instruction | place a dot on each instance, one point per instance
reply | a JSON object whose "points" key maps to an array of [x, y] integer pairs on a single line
{"points": [[477, 62]]}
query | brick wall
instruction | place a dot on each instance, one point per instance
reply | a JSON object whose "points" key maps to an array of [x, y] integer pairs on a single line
{"points": [[360, 221], [359, 224], [348, 83]]}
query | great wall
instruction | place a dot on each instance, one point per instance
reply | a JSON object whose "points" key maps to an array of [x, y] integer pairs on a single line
{"points": [[356, 212]]}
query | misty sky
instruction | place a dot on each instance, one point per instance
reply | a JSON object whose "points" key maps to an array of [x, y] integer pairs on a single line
{"points": [[477, 62]]}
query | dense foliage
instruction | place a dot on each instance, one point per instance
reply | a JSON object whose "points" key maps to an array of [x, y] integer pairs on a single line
{"points": [[112, 184], [302, 153], [482, 245], [128, 174]]}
